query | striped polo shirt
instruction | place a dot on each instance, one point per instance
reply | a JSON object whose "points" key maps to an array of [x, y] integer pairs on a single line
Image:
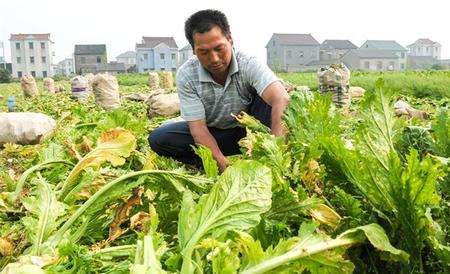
{"points": [[202, 98]]}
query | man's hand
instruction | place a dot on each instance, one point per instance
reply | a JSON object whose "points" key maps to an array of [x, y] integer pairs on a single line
{"points": [[201, 135], [277, 97]]}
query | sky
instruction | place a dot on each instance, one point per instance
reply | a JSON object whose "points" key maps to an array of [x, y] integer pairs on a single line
{"points": [[121, 24]]}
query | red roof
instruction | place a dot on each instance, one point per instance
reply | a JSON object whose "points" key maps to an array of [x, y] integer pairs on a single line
{"points": [[30, 36]]}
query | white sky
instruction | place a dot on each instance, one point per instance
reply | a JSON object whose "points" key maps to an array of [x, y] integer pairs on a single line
{"points": [[121, 24]]}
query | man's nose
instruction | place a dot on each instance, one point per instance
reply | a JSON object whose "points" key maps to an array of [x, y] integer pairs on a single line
{"points": [[214, 57]]}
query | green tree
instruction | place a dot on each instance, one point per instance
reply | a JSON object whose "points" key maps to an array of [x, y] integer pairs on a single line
{"points": [[5, 76]]}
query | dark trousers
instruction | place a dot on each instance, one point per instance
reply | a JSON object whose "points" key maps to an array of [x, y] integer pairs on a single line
{"points": [[175, 139]]}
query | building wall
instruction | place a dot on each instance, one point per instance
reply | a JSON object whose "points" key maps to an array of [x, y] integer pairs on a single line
{"points": [[274, 55], [332, 54], [351, 60], [425, 50], [379, 64], [160, 58], [128, 61], [184, 55], [296, 57], [66, 67], [32, 59], [87, 63]]}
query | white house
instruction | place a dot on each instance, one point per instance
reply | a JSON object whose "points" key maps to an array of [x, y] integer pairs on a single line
{"points": [[389, 46], [425, 47], [127, 58], [185, 53], [31, 54], [66, 67]]}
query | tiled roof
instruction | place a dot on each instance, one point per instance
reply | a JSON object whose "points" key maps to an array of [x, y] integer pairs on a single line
{"points": [[384, 45], [337, 44], [30, 36], [187, 47], [90, 49], [424, 41], [152, 42], [374, 53], [291, 39]]}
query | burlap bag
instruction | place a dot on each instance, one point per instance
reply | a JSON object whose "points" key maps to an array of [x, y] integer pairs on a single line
{"points": [[24, 128], [90, 78], [49, 85], [167, 80], [153, 80], [162, 104], [334, 79], [79, 87], [29, 87], [106, 91], [59, 88]]}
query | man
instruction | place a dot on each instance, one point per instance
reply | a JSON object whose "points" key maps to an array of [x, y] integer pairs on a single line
{"points": [[213, 84]]}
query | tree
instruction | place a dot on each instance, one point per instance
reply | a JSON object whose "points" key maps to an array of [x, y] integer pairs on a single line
{"points": [[5, 76]]}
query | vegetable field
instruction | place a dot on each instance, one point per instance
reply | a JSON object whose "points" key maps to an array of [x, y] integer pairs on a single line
{"points": [[360, 191]]}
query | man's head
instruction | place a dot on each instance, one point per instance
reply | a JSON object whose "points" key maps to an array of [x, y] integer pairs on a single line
{"points": [[203, 21], [209, 34]]}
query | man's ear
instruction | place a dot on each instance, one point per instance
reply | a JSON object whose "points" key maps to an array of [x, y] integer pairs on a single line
{"points": [[230, 38]]}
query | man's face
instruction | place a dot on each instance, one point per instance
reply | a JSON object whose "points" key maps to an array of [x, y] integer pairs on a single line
{"points": [[213, 49]]}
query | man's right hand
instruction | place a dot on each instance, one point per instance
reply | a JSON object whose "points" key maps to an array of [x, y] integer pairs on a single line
{"points": [[202, 136]]}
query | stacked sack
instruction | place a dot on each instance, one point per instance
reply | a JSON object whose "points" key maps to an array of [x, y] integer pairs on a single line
{"points": [[153, 80], [49, 85], [24, 128], [79, 87], [29, 87], [335, 79], [106, 91], [167, 80]]}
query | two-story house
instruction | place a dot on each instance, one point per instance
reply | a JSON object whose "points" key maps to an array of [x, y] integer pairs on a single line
{"points": [[156, 53], [87, 57], [425, 47], [65, 67], [127, 58], [291, 52], [185, 53], [335, 49], [388, 46], [371, 59], [31, 54]]}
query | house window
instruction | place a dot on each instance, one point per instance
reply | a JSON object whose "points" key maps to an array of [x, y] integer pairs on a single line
{"points": [[44, 60], [301, 54], [161, 56], [83, 59], [268, 55], [99, 59], [366, 64], [379, 65], [19, 60], [145, 56], [17, 45], [173, 56], [19, 74], [30, 45], [32, 60], [402, 66], [162, 69], [44, 73], [403, 55], [33, 73], [273, 43], [42, 45], [289, 54]]}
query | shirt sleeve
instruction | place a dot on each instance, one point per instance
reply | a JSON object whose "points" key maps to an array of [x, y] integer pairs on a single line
{"points": [[191, 106], [259, 75]]}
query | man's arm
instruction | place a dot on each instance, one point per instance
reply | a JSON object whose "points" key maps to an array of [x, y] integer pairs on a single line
{"points": [[202, 136], [276, 96]]}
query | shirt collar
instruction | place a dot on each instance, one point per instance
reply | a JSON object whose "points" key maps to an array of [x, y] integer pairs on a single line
{"points": [[205, 76]]}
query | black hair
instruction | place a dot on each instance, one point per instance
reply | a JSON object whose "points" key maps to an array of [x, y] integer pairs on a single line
{"points": [[203, 21]]}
